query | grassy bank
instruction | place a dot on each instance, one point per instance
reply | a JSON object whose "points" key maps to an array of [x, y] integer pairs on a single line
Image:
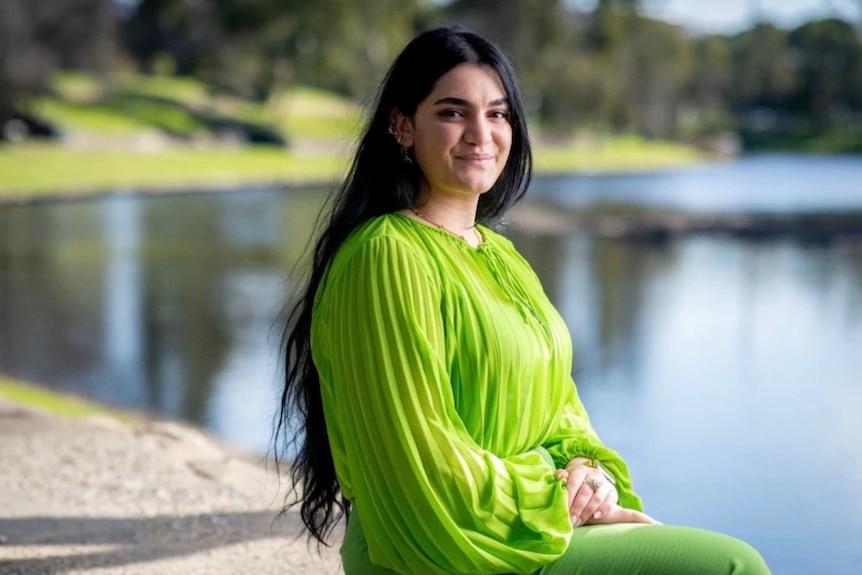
{"points": [[34, 170], [615, 154], [52, 402], [846, 139], [144, 133]]}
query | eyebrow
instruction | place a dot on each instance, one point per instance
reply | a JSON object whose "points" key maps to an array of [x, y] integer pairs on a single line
{"points": [[465, 103]]}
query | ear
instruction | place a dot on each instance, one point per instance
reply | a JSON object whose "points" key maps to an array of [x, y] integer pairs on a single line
{"points": [[403, 127]]}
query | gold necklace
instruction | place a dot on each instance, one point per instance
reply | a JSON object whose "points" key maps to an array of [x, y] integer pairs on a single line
{"points": [[476, 233]]}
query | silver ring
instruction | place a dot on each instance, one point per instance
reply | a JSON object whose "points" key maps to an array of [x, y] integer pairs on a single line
{"points": [[593, 483]]}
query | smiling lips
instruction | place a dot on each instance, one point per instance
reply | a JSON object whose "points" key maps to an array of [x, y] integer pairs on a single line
{"points": [[476, 158]]}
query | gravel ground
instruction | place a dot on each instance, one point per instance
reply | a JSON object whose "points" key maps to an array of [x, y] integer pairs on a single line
{"points": [[87, 496]]}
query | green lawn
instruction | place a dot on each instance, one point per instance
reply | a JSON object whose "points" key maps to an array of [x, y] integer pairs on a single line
{"points": [[133, 102], [45, 169], [623, 153], [102, 122], [30, 170], [37, 169], [52, 402]]}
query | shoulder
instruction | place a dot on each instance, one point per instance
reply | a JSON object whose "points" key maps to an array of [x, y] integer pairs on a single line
{"points": [[381, 246], [377, 262], [385, 234]]}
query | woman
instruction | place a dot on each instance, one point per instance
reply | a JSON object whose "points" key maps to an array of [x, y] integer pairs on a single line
{"points": [[429, 370]]}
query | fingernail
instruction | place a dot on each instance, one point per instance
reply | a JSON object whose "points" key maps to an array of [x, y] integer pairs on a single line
{"points": [[576, 522], [597, 515]]}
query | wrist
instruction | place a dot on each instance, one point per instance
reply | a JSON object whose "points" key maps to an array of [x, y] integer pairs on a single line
{"points": [[594, 464], [578, 461]]}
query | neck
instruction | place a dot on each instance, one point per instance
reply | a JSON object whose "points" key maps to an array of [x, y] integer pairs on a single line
{"points": [[458, 219], [455, 214]]}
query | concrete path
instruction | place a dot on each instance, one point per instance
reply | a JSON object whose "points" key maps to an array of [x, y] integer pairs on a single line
{"points": [[92, 495]]}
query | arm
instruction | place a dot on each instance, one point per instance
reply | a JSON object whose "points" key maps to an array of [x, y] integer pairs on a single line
{"points": [[431, 500], [573, 437]]}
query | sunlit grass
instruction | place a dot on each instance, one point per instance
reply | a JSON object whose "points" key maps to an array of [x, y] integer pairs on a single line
{"points": [[119, 116], [83, 117], [32, 169], [134, 102], [319, 103], [321, 128], [316, 114], [624, 153], [37, 169], [186, 91], [52, 402], [76, 86]]}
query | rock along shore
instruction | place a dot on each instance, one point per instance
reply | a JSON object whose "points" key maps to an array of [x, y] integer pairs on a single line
{"points": [[93, 495]]}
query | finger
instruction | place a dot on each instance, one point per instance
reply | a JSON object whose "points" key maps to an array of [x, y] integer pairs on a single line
{"points": [[633, 516], [574, 482], [571, 488], [603, 508], [648, 519], [581, 500], [571, 492], [614, 496], [619, 514], [600, 495], [610, 502]]}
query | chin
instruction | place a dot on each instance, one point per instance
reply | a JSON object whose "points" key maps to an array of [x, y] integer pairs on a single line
{"points": [[479, 187]]}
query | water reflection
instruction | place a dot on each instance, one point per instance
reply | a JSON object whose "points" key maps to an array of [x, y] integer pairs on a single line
{"points": [[762, 183], [164, 305], [726, 371]]}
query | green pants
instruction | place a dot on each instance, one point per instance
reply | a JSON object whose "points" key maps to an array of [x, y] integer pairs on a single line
{"points": [[621, 549]]}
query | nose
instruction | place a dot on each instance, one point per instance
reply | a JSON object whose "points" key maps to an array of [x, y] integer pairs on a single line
{"points": [[478, 130]]}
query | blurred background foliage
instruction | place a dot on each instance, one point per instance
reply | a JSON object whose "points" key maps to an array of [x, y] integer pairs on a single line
{"points": [[238, 67]]}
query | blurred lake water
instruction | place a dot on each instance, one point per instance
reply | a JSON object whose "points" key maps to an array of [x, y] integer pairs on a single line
{"points": [[727, 372]]}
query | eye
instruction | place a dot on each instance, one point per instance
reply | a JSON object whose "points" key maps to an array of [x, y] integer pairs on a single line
{"points": [[499, 114], [450, 113]]}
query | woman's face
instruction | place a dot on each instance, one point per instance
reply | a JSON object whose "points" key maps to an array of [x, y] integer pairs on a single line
{"points": [[461, 134]]}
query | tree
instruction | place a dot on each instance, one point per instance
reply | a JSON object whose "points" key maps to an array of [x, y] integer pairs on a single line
{"points": [[38, 37], [530, 32], [605, 30], [654, 63], [710, 84], [255, 46], [762, 69], [347, 45], [827, 58], [184, 31]]}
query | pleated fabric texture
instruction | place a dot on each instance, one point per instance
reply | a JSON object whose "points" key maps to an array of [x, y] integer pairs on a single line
{"points": [[446, 380]]}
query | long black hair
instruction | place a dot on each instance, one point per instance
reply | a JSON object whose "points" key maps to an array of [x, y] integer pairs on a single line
{"points": [[379, 182]]}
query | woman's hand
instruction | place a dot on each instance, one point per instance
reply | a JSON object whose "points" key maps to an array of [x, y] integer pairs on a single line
{"points": [[592, 498], [619, 514]]}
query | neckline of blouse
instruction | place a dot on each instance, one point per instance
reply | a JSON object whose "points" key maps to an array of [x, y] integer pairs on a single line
{"points": [[458, 240]]}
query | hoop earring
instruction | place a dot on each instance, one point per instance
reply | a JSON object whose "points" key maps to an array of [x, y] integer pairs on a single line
{"points": [[405, 154]]}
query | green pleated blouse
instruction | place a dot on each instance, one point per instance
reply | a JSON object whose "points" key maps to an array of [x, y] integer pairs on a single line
{"points": [[445, 374]]}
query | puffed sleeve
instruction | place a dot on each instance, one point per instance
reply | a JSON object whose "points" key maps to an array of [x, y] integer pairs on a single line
{"points": [[573, 436], [430, 499]]}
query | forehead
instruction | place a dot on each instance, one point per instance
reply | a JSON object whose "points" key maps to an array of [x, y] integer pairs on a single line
{"points": [[476, 83]]}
